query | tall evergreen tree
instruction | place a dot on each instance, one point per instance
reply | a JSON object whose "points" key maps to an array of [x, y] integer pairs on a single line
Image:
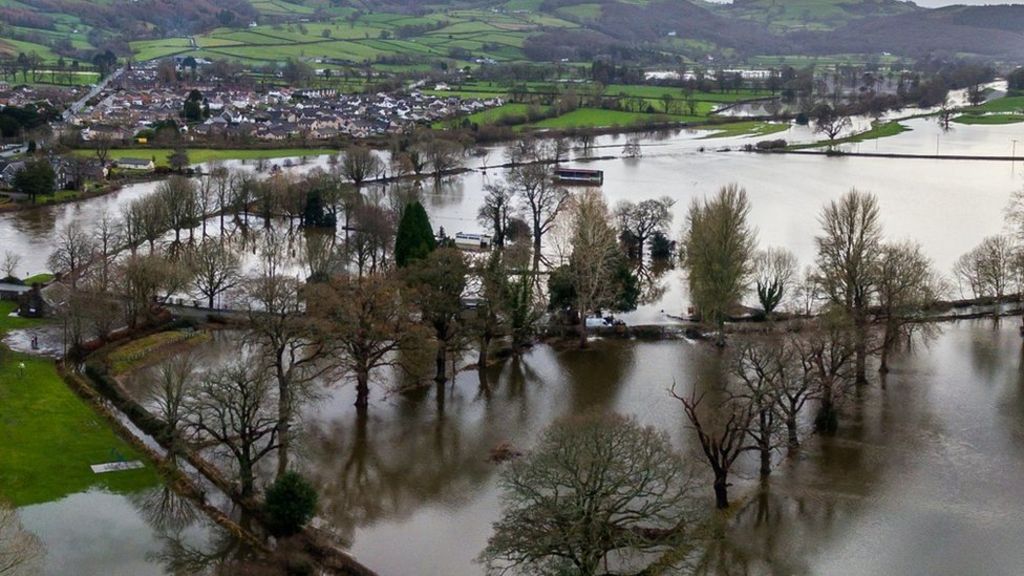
{"points": [[415, 237]]}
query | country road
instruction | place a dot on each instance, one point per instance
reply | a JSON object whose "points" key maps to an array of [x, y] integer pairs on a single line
{"points": [[77, 106]]}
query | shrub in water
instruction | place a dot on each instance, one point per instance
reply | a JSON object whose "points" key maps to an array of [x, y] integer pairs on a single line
{"points": [[290, 503]]}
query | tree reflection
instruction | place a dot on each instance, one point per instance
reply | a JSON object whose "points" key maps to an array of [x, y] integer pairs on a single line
{"points": [[165, 510], [651, 276]]}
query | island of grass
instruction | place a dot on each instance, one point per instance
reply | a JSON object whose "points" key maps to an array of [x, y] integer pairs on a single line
{"points": [[203, 155], [51, 437], [748, 128], [878, 130], [989, 119]]}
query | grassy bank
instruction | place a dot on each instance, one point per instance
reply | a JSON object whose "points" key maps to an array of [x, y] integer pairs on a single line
{"points": [[201, 155], [50, 436], [878, 130], [747, 128], [989, 119], [600, 118]]}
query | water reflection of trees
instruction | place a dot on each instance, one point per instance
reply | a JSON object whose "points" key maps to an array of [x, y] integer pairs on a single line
{"points": [[389, 465], [189, 542], [651, 277]]}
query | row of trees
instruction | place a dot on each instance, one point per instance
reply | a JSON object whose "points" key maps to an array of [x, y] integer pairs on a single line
{"points": [[856, 273]]}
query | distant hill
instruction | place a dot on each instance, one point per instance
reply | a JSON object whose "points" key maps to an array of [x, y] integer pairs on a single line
{"points": [[781, 16], [406, 32]]}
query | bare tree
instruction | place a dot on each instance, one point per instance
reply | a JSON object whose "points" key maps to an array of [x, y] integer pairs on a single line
{"points": [[108, 241], [522, 150], [827, 356], [496, 212], [640, 221], [632, 149], [178, 196], [445, 156], [10, 264], [131, 226], [101, 146], [717, 248], [988, 268], [234, 407], [542, 200], [597, 490], [215, 269], [289, 348], [775, 271], [369, 322], [848, 251], [72, 254], [20, 550], [757, 368], [170, 381], [794, 385], [360, 164], [829, 121], [721, 430], [150, 214], [370, 244], [906, 284], [140, 280]]}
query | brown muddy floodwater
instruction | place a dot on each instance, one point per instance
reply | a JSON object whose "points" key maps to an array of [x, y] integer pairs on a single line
{"points": [[926, 475]]}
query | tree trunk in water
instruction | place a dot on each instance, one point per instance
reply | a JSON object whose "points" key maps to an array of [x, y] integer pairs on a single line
{"points": [[209, 301], [362, 392], [791, 431], [284, 415], [827, 420], [766, 459], [583, 330], [861, 352], [481, 361], [441, 361], [245, 478], [721, 491]]}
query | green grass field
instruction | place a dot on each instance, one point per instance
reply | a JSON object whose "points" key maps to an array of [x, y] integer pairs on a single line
{"points": [[989, 119], [878, 130], [50, 436], [599, 118], [202, 155], [746, 128], [1005, 104]]}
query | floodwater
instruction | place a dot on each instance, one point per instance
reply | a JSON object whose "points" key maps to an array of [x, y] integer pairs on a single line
{"points": [[947, 205], [98, 532], [924, 477]]}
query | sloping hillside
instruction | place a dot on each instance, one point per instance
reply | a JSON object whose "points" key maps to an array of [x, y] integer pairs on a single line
{"points": [[413, 33]]}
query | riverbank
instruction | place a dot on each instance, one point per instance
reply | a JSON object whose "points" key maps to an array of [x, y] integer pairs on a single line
{"points": [[203, 155], [73, 196]]}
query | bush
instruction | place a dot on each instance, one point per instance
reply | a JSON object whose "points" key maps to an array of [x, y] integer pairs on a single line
{"points": [[771, 144], [289, 505]]}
